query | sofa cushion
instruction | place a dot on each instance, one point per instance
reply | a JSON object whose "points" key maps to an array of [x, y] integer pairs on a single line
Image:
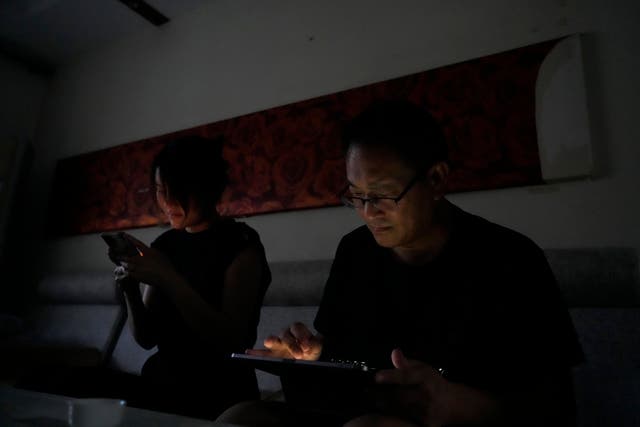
{"points": [[597, 277], [609, 336], [297, 283], [76, 325], [74, 313], [608, 383], [79, 288]]}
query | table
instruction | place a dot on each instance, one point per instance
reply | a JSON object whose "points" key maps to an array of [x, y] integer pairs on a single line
{"points": [[23, 408]]}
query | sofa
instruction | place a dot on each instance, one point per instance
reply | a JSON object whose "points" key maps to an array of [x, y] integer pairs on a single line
{"points": [[74, 320], [601, 286]]}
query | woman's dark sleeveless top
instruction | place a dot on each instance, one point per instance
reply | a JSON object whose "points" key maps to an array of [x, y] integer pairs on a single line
{"points": [[203, 259]]}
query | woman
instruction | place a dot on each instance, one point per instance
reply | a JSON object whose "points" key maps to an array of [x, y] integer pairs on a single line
{"points": [[204, 281]]}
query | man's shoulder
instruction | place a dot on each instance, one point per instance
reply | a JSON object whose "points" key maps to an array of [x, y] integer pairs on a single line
{"points": [[479, 231]]}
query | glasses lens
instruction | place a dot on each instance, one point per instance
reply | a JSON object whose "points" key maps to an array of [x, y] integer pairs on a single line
{"points": [[385, 204], [380, 204]]}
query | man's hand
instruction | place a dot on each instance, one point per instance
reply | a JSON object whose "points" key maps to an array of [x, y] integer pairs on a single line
{"points": [[295, 342], [420, 394]]}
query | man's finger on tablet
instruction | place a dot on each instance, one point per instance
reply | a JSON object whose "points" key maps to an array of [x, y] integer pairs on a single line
{"points": [[300, 331], [259, 352], [272, 341], [291, 343]]}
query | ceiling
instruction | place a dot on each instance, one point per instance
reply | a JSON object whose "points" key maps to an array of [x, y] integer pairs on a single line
{"points": [[45, 34]]}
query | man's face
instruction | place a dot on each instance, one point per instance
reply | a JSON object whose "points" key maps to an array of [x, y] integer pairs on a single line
{"points": [[378, 172]]}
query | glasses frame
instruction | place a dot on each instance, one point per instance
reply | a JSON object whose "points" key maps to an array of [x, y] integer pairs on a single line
{"points": [[348, 200]]}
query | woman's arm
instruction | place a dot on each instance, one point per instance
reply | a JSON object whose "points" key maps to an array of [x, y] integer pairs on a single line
{"points": [[141, 324]]}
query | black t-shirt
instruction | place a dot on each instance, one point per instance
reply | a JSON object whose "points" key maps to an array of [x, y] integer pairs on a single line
{"points": [[487, 309]]}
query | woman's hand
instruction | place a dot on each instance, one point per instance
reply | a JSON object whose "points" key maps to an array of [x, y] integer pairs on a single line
{"points": [[295, 342], [125, 283], [420, 393], [150, 266]]}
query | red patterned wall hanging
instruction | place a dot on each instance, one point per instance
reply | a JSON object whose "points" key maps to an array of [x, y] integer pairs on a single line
{"points": [[289, 157]]}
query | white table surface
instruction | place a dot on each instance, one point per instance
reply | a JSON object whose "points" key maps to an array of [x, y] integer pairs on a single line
{"points": [[22, 408]]}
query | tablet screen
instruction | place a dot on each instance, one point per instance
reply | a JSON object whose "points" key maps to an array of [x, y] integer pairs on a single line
{"points": [[280, 366], [328, 386]]}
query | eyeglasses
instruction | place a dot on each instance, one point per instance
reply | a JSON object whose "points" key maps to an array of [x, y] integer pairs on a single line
{"points": [[381, 203]]}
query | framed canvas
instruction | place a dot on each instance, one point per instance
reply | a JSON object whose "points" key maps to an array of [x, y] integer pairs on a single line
{"points": [[289, 157]]}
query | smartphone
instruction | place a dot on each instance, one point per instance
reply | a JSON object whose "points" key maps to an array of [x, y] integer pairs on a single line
{"points": [[120, 245]]}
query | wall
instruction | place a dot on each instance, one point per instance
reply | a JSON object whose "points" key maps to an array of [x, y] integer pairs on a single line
{"points": [[22, 93], [234, 57]]}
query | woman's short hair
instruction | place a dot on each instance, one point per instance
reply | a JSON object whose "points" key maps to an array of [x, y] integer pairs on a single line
{"points": [[192, 167], [401, 126]]}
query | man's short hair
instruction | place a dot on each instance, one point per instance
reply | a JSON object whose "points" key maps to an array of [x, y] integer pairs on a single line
{"points": [[401, 126]]}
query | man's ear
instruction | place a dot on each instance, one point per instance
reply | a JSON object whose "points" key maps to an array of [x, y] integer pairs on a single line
{"points": [[438, 176]]}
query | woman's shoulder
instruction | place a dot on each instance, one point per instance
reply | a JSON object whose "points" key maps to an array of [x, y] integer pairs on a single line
{"points": [[237, 233], [166, 239]]}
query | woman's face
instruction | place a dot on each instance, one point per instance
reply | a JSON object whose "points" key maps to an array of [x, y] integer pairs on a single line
{"points": [[176, 215]]}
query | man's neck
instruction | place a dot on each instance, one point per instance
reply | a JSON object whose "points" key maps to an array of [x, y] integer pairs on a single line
{"points": [[427, 248]]}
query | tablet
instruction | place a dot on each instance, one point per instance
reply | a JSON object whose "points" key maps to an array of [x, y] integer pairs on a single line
{"points": [[283, 367], [337, 387]]}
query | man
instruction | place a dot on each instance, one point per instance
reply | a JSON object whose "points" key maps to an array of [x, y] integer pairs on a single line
{"points": [[463, 316]]}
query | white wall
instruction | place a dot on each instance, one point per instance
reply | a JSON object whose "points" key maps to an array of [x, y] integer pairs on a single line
{"points": [[234, 57]]}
